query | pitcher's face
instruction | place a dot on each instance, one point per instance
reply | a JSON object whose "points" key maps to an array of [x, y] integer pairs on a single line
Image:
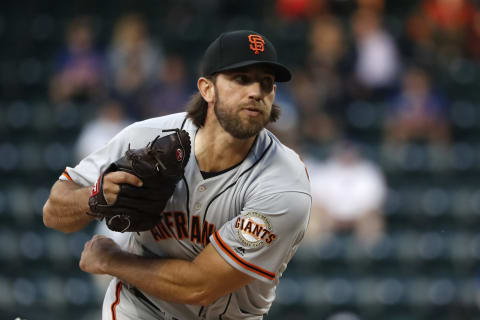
{"points": [[243, 100]]}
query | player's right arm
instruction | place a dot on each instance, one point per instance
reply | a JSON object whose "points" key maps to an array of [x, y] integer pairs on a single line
{"points": [[67, 206]]}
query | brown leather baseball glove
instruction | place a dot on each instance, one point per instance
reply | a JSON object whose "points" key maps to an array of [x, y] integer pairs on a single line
{"points": [[160, 165]]}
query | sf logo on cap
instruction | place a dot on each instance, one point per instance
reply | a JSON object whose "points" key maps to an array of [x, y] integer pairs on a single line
{"points": [[257, 44]]}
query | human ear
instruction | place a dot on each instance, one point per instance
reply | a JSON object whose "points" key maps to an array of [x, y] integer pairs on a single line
{"points": [[206, 89]]}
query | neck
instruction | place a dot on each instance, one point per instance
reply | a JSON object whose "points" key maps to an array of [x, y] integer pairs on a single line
{"points": [[216, 150]]}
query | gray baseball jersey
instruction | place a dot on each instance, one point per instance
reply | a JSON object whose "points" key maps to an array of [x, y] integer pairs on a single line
{"points": [[254, 214]]}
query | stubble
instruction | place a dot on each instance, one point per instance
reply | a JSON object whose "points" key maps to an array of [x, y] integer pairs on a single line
{"points": [[232, 122]]}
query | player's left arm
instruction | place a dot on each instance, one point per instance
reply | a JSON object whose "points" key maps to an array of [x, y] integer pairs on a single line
{"points": [[198, 282]]}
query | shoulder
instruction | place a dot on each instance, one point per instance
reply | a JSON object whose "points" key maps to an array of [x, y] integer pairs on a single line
{"points": [[171, 121], [141, 132], [156, 125], [279, 168], [281, 156]]}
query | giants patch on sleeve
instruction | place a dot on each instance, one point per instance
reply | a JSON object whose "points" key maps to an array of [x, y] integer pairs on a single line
{"points": [[254, 230]]}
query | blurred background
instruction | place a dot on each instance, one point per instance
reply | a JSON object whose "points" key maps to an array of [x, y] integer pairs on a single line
{"points": [[383, 108]]}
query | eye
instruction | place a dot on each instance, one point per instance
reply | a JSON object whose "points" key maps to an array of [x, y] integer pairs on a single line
{"points": [[267, 84], [241, 79]]}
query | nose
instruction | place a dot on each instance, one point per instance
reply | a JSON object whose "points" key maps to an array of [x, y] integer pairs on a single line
{"points": [[255, 91]]}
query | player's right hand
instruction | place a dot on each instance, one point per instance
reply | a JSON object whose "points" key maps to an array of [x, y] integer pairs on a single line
{"points": [[112, 182], [96, 254]]}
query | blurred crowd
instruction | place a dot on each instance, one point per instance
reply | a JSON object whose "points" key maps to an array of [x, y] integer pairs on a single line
{"points": [[354, 57], [358, 67], [132, 74], [350, 57]]}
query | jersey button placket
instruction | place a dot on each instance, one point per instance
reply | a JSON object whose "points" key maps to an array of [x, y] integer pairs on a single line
{"points": [[198, 204]]}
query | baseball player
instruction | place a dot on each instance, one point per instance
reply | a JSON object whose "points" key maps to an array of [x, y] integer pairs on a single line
{"points": [[235, 219]]}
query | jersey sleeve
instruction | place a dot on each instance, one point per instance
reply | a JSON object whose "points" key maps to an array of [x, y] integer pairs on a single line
{"points": [[136, 135], [264, 236], [87, 171]]}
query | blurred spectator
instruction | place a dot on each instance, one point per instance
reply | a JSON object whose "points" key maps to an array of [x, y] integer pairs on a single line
{"points": [[446, 28], [418, 112], [79, 73], [449, 17], [97, 133], [133, 61], [316, 126], [377, 61], [171, 92], [343, 315], [348, 195], [300, 9], [473, 42], [376, 5], [319, 89], [420, 34], [326, 63]]}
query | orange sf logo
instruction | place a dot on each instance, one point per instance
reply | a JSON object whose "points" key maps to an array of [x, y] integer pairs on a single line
{"points": [[257, 44]]}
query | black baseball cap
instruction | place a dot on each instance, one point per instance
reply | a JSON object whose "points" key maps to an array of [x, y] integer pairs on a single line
{"points": [[236, 49]]}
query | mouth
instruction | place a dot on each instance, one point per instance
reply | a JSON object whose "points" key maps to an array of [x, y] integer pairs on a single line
{"points": [[253, 110]]}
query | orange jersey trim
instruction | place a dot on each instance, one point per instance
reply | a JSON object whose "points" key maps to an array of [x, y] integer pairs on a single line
{"points": [[66, 175], [117, 301], [244, 264]]}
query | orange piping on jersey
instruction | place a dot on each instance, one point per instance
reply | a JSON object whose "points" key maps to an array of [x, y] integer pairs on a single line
{"points": [[66, 175], [225, 248], [117, 301]]}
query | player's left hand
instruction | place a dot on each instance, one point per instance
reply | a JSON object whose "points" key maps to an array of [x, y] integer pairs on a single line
{"points": [[96, 254]]}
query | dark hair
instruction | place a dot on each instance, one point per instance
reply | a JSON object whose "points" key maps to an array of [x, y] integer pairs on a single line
{"points": [[197, 108]]}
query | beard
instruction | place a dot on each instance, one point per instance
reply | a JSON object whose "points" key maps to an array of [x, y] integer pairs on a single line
{"points": [[239, 128]]}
